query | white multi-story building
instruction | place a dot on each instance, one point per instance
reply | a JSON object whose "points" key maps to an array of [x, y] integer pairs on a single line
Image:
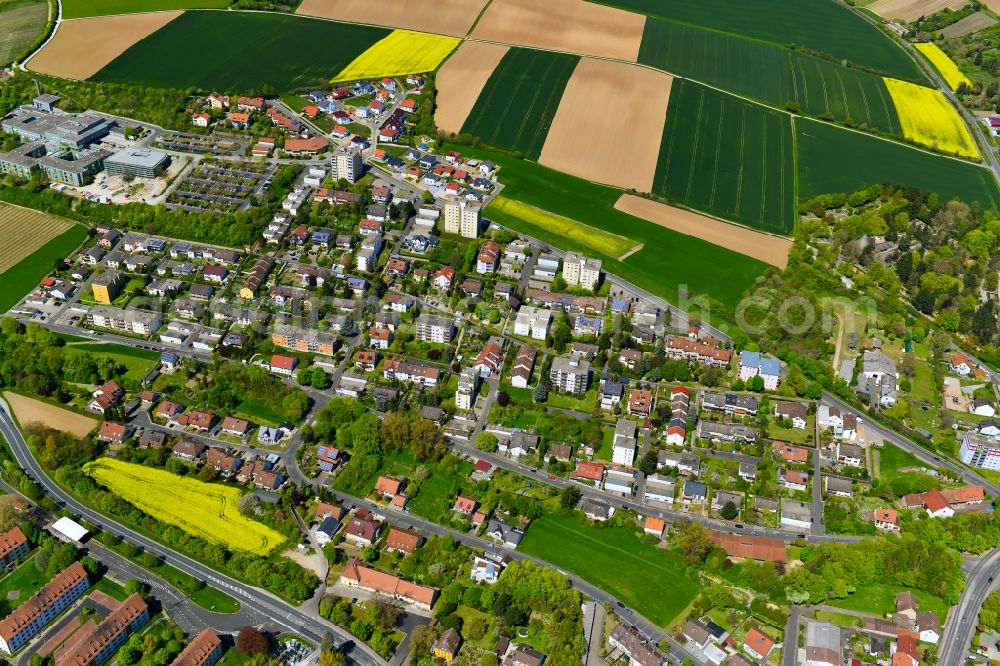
{"points": [[347, 164], [462, 217], [367, 257], [468, 385], [979, 451], [570, 374], [141, 322], [431, 328], [624, 445], [580, 271], [533, 322]]}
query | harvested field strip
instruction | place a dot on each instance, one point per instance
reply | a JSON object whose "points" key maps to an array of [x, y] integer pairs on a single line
{"points": [[461, 79], [765, 247], [832, 159], [24, 276], [606, 243], [72, 9], [274, 43], [945, 66], [620, 152], [205, 510], [970, 24], [402, 52], [571, 26], [824, 26], [444, 17], [25, 230], [768, 72], [911, 10], [517, 104], [81, 48], [928, 118], [727, 157], [28, 410], [22, 23]]}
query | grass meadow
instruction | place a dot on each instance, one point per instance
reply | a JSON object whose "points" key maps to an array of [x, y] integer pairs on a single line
{"points": [[515, 108], [824, 26], [769, 73], [72, 9], [728, 157], [642, 576], [22, 21], [248, 50], [832, 159], [667, 260]]}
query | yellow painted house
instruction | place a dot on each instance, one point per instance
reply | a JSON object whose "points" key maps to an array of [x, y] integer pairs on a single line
{"points": [[447, 646]]}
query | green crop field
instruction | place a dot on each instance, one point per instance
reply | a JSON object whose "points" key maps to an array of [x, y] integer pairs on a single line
{"points": [[21, 278], [668, 259], [821, 25], [517, 104], [72, 9], [725, 156], [769, 73], [833, 159], [22, 21], [248, 50], [617, 562]]}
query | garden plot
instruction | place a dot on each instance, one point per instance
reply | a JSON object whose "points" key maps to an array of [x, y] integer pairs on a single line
{"points": [[82, 47]]}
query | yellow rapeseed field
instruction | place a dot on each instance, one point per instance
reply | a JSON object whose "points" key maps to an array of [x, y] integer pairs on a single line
{"points": [[605, 242], [402, 52], [205, 510], [927, 118], [944, 65]]}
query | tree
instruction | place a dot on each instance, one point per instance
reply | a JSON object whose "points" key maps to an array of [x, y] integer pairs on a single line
{"points": [[729, 511], [386, 612], [330, 658], [755, 383], [133, 586], [541, 392], [693, 541], [487, 441], [248, 504], [648, 462], [8, 513], [347, 326], [251, 641], [984, 322], [422, 641], [569, 496]]}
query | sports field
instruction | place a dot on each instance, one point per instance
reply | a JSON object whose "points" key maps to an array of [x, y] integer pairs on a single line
{"points": [[72, 9], [402, 52], [205, 510], [516, 106], [248, 50], [32, 241], [945, 66], [644, 577], [22, 21], [821, 25], [728, 157], [833, 159], [928, 118], [667, 260], [768, 72]]}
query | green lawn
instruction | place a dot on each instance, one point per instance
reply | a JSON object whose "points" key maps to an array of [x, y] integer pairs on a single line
{"points": [[879, 599], [832, 159], [165, 59], [82, 8], [516, 106], [821, 25], [261, 414], [24, 276], [110, 588], [438, 491], [607, 445], [644, 577], [728, 157], [891, 459], [22, 583]]}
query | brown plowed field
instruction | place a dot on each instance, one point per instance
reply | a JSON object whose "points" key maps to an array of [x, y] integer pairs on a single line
{"points": [[461, 79], [444, 17]]}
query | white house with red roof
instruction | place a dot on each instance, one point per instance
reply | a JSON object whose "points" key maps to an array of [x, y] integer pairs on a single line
{"points": [[283, 365], [961, 365]]}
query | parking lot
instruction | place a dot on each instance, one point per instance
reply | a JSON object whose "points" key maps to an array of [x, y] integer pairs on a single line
{"points": [[196, 143], [212, 186]]}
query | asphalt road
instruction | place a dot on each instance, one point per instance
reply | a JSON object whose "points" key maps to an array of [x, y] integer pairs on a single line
{"points": [[979, 583], [281, 613]]}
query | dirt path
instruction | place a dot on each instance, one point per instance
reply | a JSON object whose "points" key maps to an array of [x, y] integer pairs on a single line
{"points": [[765, 247]]}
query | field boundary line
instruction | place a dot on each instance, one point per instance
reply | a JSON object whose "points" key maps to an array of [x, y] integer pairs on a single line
{"points": [[631, 251]]}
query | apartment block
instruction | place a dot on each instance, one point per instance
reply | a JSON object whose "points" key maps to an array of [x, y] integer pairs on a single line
{"points": [[346, 164], [204, 650], [581, 271], [13, 546], [570, 374], [31, 617], [140, 322], [97, 646], [107, 286], [533, 322], [468, 385], [431, 328], [462, 217], [304, 339]]}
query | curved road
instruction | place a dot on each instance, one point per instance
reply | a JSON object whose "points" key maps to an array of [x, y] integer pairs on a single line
{"points": [[958, 633], [312, 628]]}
